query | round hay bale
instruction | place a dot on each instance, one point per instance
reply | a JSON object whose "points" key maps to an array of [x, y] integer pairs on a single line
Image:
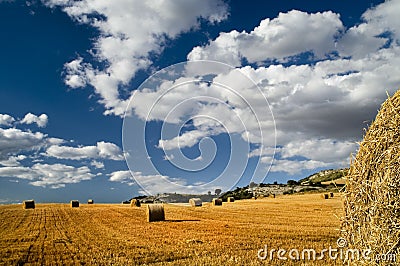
{"points": [[372, 191], [195, 202], [331, 194], [90, 201], [74, 203], [325, 196], [135, 203], [217, 202], [272, 196], [231, 199], [28, 204], [155, 212]]}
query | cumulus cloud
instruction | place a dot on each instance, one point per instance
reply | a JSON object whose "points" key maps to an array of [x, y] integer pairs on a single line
{"points": [[14, 141], [125, 42], [97, 164], [380, 27], [120, 176], [102, 150], [40, 121], [287, 35], [293, 167], [319, 108], [48, 175], [6, 120], [13, 160]]}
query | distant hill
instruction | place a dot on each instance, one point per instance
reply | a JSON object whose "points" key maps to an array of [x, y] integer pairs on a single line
{"points": [[325, 176], [326, 180]]}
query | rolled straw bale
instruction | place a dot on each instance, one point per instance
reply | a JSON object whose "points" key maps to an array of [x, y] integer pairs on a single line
{"points": [[272, 196], [231, 199], [195, 202], [155, 212], [325, 196], [372, 192], [217, 202], [135, 203], [90, 201], [28, 204], [331, 194], [74, 204]]}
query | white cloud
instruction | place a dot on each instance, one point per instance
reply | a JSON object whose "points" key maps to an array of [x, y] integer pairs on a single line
{"points": [[120, 176], [188, 139], [325, 150], [287, 35], [40, 121], [13, 160], [296, 167], [130, 30], [368, 37], [6, 120], [102, 150], [52, 175], [97, 164], [14, 141]]}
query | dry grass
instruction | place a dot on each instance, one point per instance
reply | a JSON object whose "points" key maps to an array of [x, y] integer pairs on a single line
{"points": [[105, 234], [372, 196]]}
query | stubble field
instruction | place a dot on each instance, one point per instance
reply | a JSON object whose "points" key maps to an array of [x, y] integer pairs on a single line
{"points": [[113, 234]]}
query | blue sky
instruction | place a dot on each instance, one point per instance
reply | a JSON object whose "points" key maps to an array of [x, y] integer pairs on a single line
{"points": [[313, 73]]}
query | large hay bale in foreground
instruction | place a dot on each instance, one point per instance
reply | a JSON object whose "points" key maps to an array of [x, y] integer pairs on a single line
{"points": [[217, 202], [28, 204], [155, 212], [195, 202], [74, 203], [135, 203], [372, 192], [230, 199]]}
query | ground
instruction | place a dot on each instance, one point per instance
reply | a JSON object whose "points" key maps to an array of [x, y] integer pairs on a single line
{"points": [[116, 234]]}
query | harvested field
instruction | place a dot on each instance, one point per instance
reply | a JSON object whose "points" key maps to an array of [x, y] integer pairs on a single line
{"points": [[105, 234]]}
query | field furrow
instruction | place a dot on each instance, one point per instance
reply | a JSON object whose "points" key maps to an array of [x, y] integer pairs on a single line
{"points": [[113, 234]]}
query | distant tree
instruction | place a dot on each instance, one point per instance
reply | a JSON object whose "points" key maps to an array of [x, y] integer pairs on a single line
{"points": [[209, 193], [252, 184], [275, 182], [218, 191], [292, 182]]}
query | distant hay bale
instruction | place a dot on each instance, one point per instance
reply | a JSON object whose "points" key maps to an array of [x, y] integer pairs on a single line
{"points": [[217, 202], [195, 202], [90, 201], [231, 199], [74, 204], [135, 203], [331, 194], [325, 196], [272, 196], [28, 204], [371, 196], [155, 212]]}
